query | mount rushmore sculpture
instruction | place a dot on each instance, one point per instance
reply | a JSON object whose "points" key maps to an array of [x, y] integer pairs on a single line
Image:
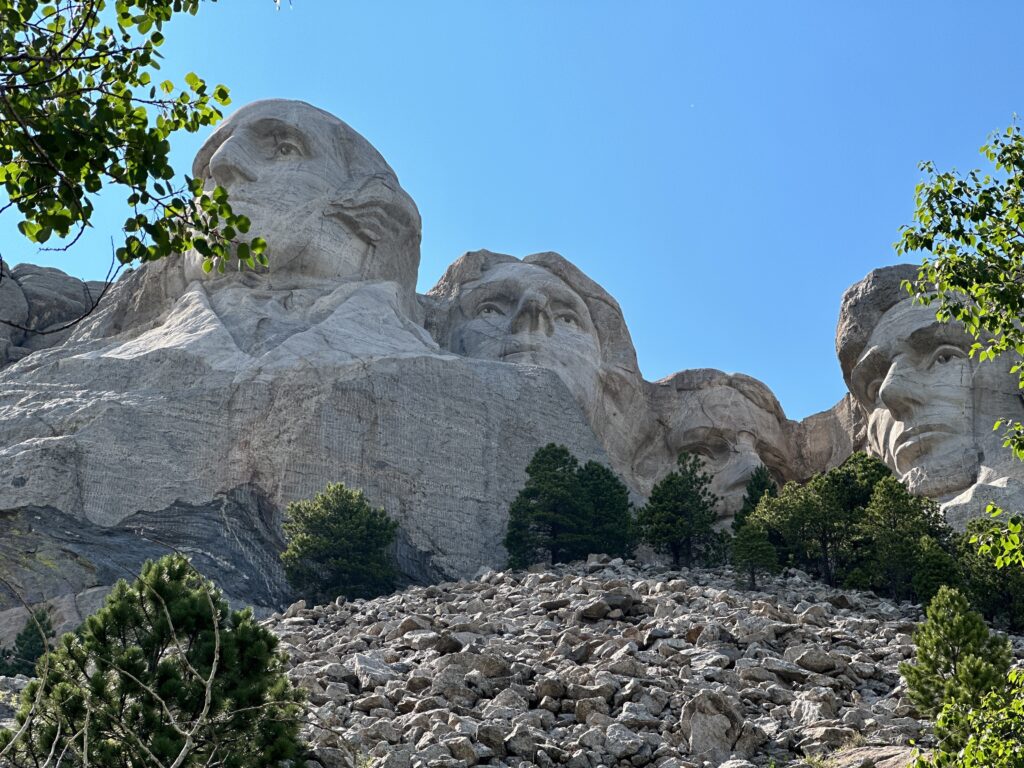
{"points": [[189, 409]]}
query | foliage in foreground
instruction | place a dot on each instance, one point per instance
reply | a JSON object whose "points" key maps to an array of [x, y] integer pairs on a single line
{"points": [[81, 110], [338, 545], [29, 645], [164, 672], [957, 658], [565, 512]]}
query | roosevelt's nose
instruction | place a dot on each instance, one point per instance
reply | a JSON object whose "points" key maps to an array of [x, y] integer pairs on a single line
{"points": [[231, 163], [899, 393], [532, 315]]}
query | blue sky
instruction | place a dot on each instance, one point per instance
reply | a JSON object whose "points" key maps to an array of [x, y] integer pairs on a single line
{"points": [[725, 170]]}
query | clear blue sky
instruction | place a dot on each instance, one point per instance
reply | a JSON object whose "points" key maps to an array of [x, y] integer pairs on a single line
{"points": [[725, 170]]}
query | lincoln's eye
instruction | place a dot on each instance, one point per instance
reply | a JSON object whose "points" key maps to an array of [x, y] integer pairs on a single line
{"points": [[569, 319], [945, 355], [286, 149]]}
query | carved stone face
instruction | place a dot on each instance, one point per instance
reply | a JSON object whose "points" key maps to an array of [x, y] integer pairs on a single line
{"points": [[732, 433], [522, 313], [307, 182], [916, 381]]}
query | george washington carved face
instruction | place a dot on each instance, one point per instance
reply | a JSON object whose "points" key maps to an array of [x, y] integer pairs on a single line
{"points": [[327, 203]]}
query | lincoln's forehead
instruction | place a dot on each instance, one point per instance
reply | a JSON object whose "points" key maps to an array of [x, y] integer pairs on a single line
{"points": [[520, 275], [901, 322]]}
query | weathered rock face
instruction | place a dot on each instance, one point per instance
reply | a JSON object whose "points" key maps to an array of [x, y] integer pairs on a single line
{"points": [[183, 387], [607, 664], [930, 407]]}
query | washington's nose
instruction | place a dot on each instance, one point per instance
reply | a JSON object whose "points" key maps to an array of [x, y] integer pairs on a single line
{"points": [[898, 392], [532, 315], [231, 164]]}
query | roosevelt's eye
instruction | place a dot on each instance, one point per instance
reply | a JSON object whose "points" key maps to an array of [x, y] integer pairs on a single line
{"points": [[945, 354], [489, 311]]}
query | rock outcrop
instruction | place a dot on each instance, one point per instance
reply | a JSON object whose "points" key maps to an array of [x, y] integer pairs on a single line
{"points": [[606, 664]]}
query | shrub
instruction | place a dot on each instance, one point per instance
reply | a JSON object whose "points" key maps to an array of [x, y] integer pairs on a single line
{"points": [[337, 544], [998, 594], [957, 657], [29, 645], [164, 672], [565, 511], [753, 553], [680, 514]]}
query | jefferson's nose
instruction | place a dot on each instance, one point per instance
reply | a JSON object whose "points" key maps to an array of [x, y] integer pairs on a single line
{"points": [[231, 164], [899, 393], [532, 315]]}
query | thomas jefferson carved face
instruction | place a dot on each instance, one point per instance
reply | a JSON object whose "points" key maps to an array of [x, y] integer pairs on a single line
{"points": [[522, 313], [915, 379], [320, 195]]}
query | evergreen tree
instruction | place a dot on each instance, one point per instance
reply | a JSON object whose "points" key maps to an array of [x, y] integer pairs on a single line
{"points": [[957, 658], [753, 553], [338, 545], [680, 514], [998, 594], [934, 568], [164, 673], [546, 518], [29, 645], [892, 526], [759, 484], [609, 524]]}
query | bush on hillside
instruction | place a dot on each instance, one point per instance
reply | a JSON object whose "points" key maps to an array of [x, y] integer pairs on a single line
{"points": [[753, 553], [759, 484], [166, 673], [337, 544]]}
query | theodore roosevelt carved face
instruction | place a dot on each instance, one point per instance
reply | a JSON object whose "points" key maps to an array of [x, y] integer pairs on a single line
{"points": [[329, 206]]}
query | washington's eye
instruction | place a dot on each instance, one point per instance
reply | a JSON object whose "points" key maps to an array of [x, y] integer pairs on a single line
{"points": [[945, 354]]}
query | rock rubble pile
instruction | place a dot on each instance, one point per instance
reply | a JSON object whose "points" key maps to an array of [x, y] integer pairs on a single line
{"points": [[604, 663]]}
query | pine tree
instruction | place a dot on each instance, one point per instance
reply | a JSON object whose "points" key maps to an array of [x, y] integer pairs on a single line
{"points": [[338, 545], [998, 594], [546, 518], [759, 484], [166, 673], [957, 658], [892, 526], [29, 645], [608, 525], [680, 513], [934, 568], [753, 553]]}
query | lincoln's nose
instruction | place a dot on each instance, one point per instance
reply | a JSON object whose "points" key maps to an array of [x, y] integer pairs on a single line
{"points": [[899, 393], [532, 315], [231, 164]]}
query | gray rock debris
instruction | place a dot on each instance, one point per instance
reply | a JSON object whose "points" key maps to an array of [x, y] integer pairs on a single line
{"points": [[604, 664]]}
